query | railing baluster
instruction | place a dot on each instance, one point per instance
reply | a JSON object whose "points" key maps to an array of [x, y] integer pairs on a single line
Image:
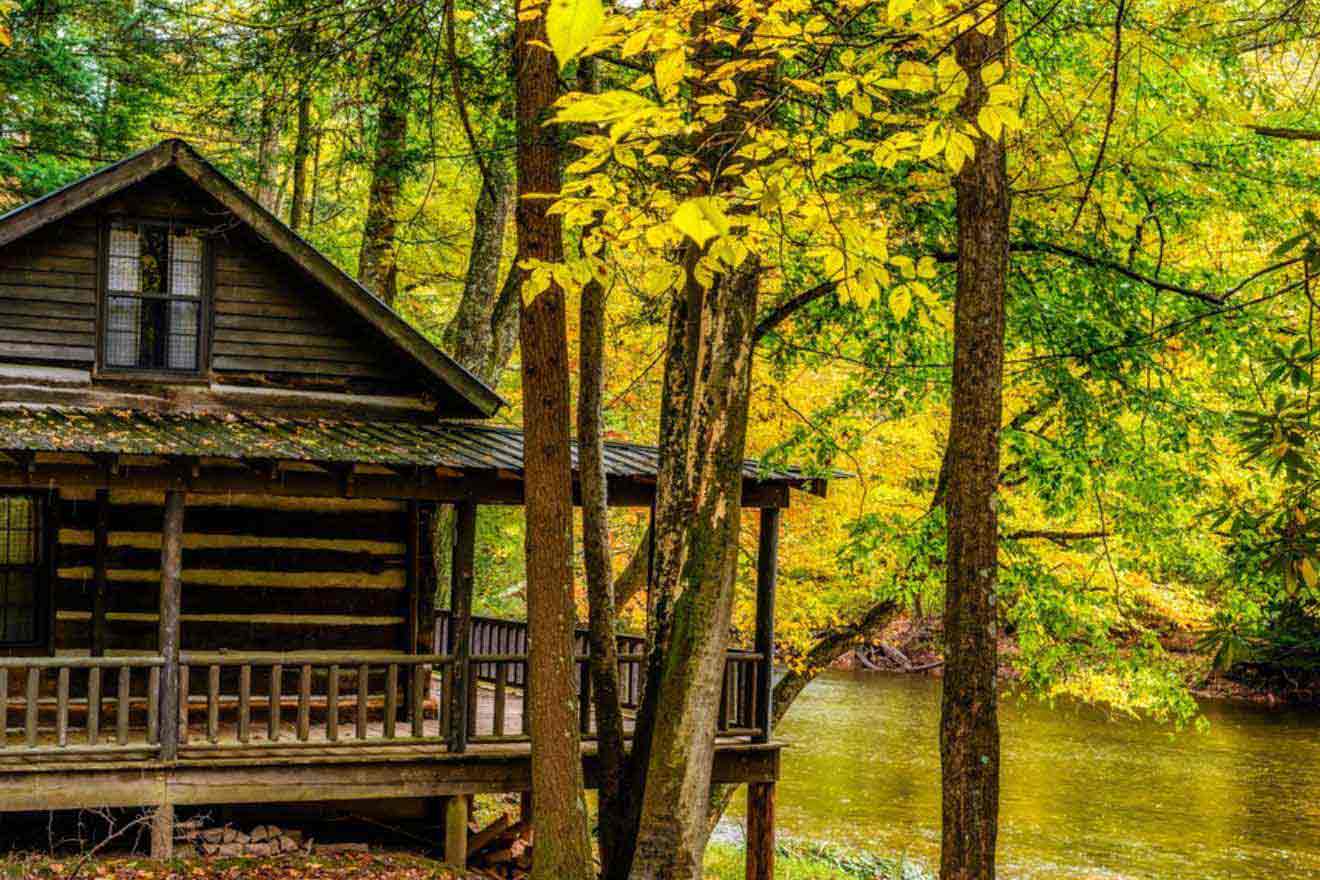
{"points": [[245, 703], [418, 700], [93, 705], [391, 698], [273, 708], [305, 702], [332, 705], [524, 723], [31, 695], [184, 683], [364, 674], [62, 707], [153, 706], [472, 683], [722, 723], [122, 696], [213, 704], [4, 708], [501, 695], [584, 697]]}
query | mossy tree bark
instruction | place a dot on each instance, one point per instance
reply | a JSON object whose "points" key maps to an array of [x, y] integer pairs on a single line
{"points": [[969, 725], [563, 845], [378, 258], [302, 148], [698, 514]]}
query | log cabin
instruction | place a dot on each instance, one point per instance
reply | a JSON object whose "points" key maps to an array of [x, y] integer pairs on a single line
{"points": [[220, 459]]}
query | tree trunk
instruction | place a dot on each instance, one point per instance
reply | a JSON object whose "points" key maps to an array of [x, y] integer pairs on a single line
{"points": [[302, 147], [480, 335], [378, 259], [969, 725], [267, 150], [698, 513], [563, 845]]}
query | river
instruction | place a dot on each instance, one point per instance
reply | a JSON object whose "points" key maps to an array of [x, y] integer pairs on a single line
{"points": [[1084, 795]]}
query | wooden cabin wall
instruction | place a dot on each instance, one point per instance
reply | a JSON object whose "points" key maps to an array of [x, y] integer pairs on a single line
{"points": [[271, 325], [260, 573], [48, 296]]}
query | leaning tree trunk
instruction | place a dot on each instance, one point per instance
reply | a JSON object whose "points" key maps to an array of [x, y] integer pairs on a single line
{"points": [[378, 259], [698, 514], [969, 724], [302, 148], [563, 844]]}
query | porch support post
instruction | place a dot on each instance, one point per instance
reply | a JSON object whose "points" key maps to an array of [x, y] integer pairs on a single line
{"points": [[456, 831], [767, 576], [99, 563], [162, 832], [760, 831], [171, 569], [460, 621]]}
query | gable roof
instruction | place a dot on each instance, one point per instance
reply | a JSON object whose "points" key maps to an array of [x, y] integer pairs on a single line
{"points": [[480, 400]]}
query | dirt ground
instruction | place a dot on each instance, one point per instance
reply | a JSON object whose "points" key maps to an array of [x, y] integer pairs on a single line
{"points": [[347, 866]]}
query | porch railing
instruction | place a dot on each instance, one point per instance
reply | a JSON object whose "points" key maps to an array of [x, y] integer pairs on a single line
{"points": [[68, 706], [310, 700], [65, 705]]}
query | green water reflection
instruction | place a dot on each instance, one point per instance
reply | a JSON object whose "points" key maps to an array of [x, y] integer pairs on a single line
{"points": [[1083, 795]]}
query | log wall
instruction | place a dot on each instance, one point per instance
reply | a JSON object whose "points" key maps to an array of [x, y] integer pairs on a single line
{"points": [[260, 573]]}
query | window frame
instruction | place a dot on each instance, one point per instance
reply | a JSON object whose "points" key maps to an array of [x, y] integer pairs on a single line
{"points": [[43, 574], [205, 304]]}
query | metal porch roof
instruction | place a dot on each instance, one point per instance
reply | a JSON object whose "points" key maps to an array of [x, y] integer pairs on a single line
{"points": [[457, 445]]}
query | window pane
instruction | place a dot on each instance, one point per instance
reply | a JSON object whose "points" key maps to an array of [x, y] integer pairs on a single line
{"points": [[155, 246], [182, 354], [185, 265], [123, 331], [125, 263], [18, 544], [18, 611]]}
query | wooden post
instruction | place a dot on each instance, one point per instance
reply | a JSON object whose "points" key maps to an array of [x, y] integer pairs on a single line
{"points": [[456, 831], [171, 572], [412, 573], [761, 829], [767, 575], [460, 620], [99, 563], [162, 832]]}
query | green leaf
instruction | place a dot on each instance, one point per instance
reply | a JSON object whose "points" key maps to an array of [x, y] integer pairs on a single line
{"points": [[570, 25], [701, 219]]}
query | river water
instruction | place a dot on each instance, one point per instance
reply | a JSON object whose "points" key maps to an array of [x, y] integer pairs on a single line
{"points": [[1084, 795]]}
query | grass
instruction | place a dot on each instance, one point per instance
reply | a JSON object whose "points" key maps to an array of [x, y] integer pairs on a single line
{"points": [[808, 860]]}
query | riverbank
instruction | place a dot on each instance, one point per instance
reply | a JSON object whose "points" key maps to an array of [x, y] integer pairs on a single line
{"points": [[916, 648], [809, 860]]}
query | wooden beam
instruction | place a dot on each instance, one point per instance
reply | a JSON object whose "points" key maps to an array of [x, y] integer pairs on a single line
{"points": [[767, 578], [99, 562], [171, 580], [462, 564], [162, 832], [761, 831], [456, 831]]}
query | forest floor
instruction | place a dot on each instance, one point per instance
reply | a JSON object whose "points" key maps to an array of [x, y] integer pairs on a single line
{"points": [[346, 866], [795, 860]]}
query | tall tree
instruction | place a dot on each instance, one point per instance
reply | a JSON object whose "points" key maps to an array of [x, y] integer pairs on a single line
{"points": [[302, 150], [969, 723], [563, 845]]}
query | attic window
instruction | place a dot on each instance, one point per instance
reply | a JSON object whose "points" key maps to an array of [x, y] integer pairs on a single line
{"points": [[153, 298]]}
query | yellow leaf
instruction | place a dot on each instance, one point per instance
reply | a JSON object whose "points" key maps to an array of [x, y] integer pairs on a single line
{"points": [[988, 119], [958, 150], [934, 141], [900, 301], [669, 70], [635, 43], [842, 122], [900, 7], [570, 25], [6, 38], [701, 219], [992, 72]]}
